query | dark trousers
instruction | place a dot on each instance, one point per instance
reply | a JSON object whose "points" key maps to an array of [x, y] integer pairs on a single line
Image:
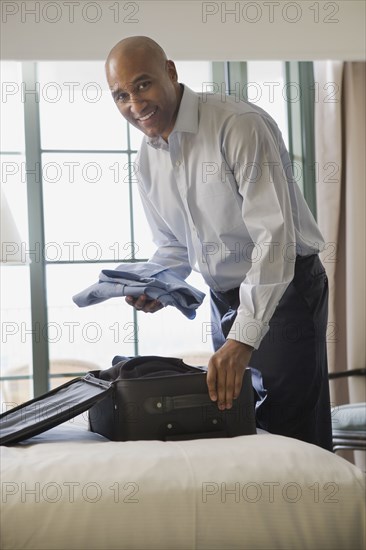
{"points": [[292, 357]]}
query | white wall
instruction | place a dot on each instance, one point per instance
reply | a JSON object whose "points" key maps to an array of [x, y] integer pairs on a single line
{"points": [[189, 29]]}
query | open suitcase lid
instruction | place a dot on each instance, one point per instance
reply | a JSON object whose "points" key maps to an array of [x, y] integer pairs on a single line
{"points": [[78, 395], [51, 409]]}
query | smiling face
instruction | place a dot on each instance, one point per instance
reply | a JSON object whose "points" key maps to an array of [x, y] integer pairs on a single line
{"points": [[145, 89]]}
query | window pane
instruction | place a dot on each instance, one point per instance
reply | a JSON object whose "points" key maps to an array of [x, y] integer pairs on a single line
{"points": [[12, 118], [14, 393], [144, 246], [81, 339], [13, 183], [16, 332], [169, 332], [194, 73], [135, 137], [86, 206], [76, 107], [267, 89]]}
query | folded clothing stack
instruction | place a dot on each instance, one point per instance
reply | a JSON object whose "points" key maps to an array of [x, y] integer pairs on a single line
{"points": [[133, 279]]}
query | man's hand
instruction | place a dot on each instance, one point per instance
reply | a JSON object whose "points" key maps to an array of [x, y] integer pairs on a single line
{"points": [[143, 303], [225, 372]]}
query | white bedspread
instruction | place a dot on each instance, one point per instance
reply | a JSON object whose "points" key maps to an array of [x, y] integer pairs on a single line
{"points": [[80, 491]]}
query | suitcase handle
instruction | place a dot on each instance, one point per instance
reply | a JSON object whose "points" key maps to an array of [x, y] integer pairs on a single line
{"points": [[164, 404]]}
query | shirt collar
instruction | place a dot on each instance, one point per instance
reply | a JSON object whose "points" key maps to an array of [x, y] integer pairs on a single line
{"points": [[187, 118]]}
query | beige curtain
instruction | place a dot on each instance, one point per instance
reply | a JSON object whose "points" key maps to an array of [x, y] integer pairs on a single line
{"points": [[340, 116]]}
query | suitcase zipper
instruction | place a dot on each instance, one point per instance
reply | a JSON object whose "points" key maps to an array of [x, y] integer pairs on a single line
{"points": [[91, 379]]}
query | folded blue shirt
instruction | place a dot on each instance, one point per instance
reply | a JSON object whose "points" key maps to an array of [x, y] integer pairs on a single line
{"points": [[134, 279]]}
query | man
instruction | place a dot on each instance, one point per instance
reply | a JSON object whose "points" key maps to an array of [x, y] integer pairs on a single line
{"points": [[216, 183]]}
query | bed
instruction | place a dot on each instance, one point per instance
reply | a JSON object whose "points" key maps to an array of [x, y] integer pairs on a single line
{"points": [[73, 489]]}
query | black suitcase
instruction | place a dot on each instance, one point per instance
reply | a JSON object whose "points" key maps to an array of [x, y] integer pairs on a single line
{"points": [[147, 397]]}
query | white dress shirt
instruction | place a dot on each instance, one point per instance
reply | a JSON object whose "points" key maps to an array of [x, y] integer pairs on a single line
{"points": [[221, 199]]}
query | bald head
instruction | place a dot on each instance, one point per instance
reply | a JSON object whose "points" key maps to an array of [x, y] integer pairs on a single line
{"points": [[136, 45]]}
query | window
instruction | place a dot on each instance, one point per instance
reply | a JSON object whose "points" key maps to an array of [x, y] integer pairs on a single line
{"points": [[67, 169]]}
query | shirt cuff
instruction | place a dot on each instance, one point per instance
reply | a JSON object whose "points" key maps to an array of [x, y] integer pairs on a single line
{"points": [[248, 331]]}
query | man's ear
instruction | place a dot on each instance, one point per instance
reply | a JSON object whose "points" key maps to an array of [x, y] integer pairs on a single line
{"points": [[171, 70]]}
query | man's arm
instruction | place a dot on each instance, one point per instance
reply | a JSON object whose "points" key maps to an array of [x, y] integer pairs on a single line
{"points": [[266, 209]]}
